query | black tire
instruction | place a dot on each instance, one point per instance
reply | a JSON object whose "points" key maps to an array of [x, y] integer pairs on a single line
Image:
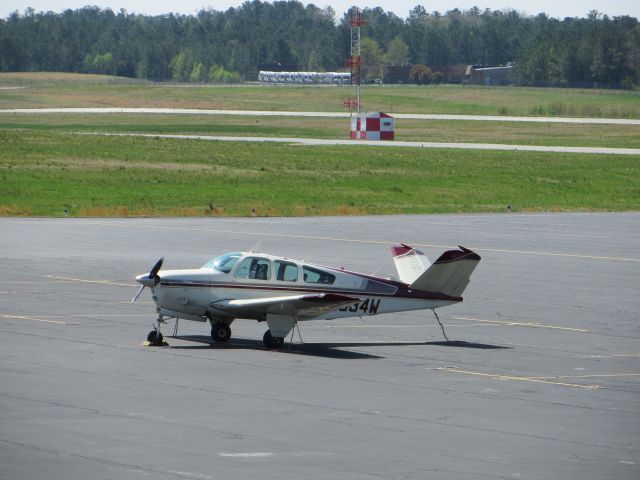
{"points": [[271, 341], [267, 339], [155, 337], [221, 332]]}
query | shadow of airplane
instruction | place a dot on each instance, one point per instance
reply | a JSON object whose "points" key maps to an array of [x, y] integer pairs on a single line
{"points": [[312, 349], [463, 344], [327, 350]]}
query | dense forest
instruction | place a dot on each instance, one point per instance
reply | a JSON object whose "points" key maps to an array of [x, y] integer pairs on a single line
{"points": [[231, 45]]}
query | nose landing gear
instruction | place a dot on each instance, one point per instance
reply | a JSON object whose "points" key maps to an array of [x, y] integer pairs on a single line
{"points": [[155, 338]]}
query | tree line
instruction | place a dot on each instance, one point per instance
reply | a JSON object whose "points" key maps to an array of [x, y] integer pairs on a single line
{"points": [[232, 45]]}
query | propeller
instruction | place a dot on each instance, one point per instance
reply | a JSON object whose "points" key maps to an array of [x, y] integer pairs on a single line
{"points": [[150, 280]]}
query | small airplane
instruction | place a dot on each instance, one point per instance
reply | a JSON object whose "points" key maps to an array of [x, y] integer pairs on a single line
{"points": [[282, 292]]}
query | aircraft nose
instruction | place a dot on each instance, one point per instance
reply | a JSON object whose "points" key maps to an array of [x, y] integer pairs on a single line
{"points": [[145, 280]]}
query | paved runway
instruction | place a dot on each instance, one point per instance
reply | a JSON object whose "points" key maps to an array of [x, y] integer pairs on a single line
{"points": [[272, 113], [389, 144], [542, 380]]}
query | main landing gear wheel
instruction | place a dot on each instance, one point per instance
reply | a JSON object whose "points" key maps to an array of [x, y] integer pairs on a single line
{"points": [[221, 332], [272, 342], [155, 338]]}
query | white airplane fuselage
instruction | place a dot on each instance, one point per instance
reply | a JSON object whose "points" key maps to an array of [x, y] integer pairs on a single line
{"points": [[283, 291], [195, 299]]}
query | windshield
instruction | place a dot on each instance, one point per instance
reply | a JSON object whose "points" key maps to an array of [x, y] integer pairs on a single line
{"points": [[224, 263]]}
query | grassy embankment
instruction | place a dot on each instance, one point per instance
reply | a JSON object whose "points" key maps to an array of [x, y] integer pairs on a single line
{"points": [[44, 167], [42, 173]]}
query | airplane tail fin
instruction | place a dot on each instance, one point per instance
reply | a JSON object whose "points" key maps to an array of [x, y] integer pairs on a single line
{"points": [[448, 275]]}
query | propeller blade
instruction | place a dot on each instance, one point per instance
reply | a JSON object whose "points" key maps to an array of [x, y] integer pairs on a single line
{"points": [[138, 294], [150, 280], [156, 268]]}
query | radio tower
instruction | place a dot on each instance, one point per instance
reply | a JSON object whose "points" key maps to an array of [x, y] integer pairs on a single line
{"points": [[355, 60]]}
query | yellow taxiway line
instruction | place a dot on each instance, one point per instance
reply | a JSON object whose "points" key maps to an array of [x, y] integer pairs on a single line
{"points": [[82, 280], [520, 379], [521, 324], [593, 375], [35, 319], [46, 318], [619, 355]]}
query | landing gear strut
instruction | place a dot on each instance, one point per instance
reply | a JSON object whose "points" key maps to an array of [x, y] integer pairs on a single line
{"points": [[154, 337], [271, 341], [220, 332]]}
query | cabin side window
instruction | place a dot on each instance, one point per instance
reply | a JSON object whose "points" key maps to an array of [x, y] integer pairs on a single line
{"points": [[286, 271], [254, 268], [313, 275]]}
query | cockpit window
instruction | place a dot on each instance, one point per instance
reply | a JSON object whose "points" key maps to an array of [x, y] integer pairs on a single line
{"points": [[255, 268], [313, 275], [224, 263]]}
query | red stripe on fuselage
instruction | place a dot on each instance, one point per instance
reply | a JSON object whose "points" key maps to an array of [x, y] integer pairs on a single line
{"points": [[402, 289]]}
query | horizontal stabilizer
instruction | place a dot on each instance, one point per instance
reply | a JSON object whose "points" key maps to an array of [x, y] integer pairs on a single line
{"points": [[410, 262], [449, 274]]}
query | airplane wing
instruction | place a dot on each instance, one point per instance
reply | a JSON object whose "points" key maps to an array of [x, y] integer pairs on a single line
{"points": [[306, 305]]}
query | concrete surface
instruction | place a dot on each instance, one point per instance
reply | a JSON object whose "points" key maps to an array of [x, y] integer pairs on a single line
{"points": [[542, 380]]}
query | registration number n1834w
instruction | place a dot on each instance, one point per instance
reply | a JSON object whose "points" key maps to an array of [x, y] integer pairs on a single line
{"points": [[369, 306]]}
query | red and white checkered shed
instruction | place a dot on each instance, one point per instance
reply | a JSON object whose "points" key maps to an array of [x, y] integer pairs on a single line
{"points": [[372, 126]]}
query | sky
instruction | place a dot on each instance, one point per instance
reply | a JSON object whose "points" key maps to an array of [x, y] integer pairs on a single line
{"points": [[553, 8]]}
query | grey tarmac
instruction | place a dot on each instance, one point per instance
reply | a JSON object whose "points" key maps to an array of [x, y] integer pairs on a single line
{"points": [[541, 379]]}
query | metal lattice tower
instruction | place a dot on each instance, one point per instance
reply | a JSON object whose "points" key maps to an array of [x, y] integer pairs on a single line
{"points": [[355, 60]]}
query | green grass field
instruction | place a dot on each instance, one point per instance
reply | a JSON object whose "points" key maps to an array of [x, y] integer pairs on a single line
{"points": [[68, 90], [45, 172], [46, 166]]}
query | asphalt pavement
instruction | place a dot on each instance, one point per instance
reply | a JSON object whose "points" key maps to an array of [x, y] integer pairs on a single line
{"points": [[541, 379]]}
